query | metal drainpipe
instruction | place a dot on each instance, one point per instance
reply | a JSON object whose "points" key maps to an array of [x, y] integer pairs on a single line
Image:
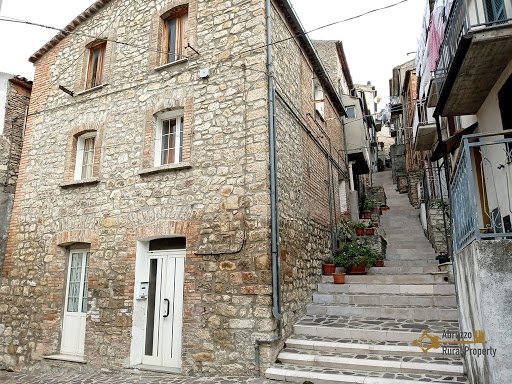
{"points": [[274, 240]]}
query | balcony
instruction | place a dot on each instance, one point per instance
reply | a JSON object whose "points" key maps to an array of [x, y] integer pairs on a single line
{"points": [[477, 47], [424, 128], [481, 196]]}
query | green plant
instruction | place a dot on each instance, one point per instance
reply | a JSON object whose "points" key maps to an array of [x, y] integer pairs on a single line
{"points": [[355, 253], [359, 225], [369, 204], [328, 260]]}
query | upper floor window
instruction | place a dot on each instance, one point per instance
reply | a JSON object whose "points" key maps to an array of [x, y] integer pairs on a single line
{"points": [[318, 94], [84, 164], [351, 111], [175, 34], [169, 138], [95, 65]]}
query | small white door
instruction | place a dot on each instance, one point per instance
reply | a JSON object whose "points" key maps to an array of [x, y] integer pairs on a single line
{"points": [[162, 344], [75, 304]]}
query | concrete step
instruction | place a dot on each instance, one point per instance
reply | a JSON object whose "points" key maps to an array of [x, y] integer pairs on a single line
{"points": [[328, 344], [375, 329], [409, 256], [385, 311], [372, 362], [410, 263], [385, 270], [385, 299], [318, 375], [405, 289], [390, 279]]}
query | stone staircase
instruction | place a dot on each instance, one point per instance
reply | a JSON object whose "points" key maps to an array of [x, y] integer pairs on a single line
{"points": [[362, 331]]}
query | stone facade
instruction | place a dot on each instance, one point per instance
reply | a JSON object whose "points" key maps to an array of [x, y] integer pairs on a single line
{"points": [[217, 197], [436, 224], [413, 178], [17, 97]]}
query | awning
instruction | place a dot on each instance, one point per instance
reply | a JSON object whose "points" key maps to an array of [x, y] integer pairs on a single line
{"points": [[452, 143]]}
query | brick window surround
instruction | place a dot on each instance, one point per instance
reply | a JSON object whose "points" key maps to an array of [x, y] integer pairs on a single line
{"points": [[159, 41], [178, 109], [84, 79], [76, 141]]}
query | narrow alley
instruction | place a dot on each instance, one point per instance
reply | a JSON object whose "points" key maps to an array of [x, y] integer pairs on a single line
{"points": [[362, 331]]}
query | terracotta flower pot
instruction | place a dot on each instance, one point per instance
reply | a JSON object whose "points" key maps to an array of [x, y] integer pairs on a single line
{"points": [[366, 214], [328, 269], [339, 278], [379, 263], [384, 208], [359, 231], [375, 225], [357, 270], [369, 231]]}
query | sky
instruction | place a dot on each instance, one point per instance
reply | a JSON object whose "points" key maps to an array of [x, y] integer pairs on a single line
{"points": [[373, 44]]}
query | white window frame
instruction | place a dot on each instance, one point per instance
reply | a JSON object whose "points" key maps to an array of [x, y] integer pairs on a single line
{"points": [[354, 109], [318, 95], [160, 118], [79, 159]]}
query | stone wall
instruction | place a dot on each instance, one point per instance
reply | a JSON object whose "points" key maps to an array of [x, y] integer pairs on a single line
{"points": [[17, 98], [303, 140], [413, 178], [397, 154], [484, 282], [218, 198], [378, 194], [436, 224]]}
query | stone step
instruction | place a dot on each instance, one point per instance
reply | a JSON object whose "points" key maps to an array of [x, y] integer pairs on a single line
{"points": [[410, 263], [372, 362], [328, 344], [390, 279], [409, 256], [407, 289], [386, 311], [385, 299], [319, 375], [376, 329], [385, 270]]}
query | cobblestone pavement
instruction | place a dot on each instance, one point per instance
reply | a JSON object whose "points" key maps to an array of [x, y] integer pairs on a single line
{"points": [[65, 378]]}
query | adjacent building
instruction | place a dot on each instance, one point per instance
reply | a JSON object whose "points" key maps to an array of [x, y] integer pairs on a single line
{"points": [[463, 121], [14, 100], [182, 176]]}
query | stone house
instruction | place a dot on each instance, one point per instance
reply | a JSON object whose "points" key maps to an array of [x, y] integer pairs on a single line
{"points": [[178, 189], [14, 100]]}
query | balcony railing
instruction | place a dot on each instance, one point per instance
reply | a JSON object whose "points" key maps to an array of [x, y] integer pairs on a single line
{"points": [[466, 16], [481, 190]]}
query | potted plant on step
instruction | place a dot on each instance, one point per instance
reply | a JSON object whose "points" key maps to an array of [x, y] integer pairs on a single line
{"points": [[339, 278], [328, 266], [384, 207], [359, 228], [355, 258], [368, 207], [370, 229], [379, 262]]}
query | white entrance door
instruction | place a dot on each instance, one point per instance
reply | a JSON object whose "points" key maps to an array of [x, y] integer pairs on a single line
{"points": [[162, 344], [75, 305]]}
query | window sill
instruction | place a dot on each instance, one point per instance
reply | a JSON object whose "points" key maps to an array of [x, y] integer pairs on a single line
{"points": [[70, 358], [153, 368], [79, 183], [164, 168], [90, 90], [177, 62]]}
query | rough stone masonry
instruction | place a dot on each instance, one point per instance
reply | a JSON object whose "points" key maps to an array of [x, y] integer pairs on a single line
{"points": [[217, 197]]}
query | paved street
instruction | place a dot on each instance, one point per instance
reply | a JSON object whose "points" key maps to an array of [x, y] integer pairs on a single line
{"points": [[65, 378]]}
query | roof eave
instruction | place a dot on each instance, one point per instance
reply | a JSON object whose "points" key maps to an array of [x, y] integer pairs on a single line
{"points": [[68, 29], [310, 52]]}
